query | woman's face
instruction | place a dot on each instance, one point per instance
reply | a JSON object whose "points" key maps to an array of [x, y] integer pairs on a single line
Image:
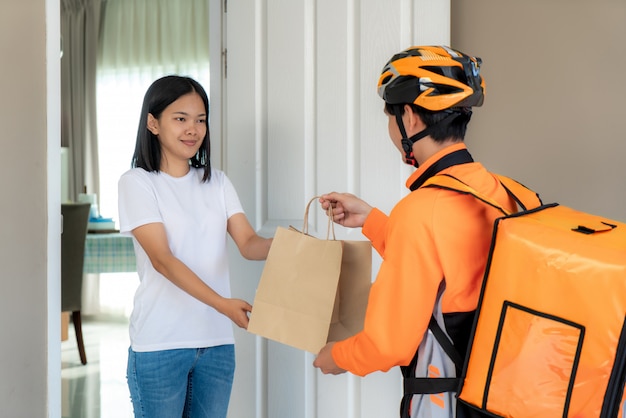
{"points": [[181, 129]]}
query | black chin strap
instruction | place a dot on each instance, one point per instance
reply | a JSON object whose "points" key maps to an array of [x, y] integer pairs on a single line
{"points": [[407, 143]]}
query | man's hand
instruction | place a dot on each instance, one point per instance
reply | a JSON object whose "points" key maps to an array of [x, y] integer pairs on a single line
{"points": [[348, 210], [324, 361]]}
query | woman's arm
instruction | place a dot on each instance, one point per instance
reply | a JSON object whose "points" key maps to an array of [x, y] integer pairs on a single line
{"points": [[251, 246], [153, 240]]}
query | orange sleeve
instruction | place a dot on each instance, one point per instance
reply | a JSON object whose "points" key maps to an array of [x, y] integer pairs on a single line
{"points": [[374, 229], [402, 297]]}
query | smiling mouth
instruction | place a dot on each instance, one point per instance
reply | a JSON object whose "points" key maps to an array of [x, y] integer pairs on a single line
{"points": [[189, 142]]}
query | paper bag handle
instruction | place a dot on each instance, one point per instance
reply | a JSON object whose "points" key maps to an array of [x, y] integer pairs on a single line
{"points": [[329, 212]]}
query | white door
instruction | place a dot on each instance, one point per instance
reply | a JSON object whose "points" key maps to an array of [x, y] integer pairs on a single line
{"points": [[299, 117]]}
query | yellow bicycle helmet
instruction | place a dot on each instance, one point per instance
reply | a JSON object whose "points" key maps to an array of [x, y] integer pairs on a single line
{"points": [[433, 77]]}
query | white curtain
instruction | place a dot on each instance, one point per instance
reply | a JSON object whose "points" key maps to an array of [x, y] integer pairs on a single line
{"points": [[155, 36], [80, 26], [141, 40]]}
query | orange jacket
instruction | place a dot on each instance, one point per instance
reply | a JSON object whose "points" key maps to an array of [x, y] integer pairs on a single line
{"points": [[431, 234]]}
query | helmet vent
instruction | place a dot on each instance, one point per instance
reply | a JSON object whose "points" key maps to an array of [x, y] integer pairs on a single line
{"points": [[386, 79]]}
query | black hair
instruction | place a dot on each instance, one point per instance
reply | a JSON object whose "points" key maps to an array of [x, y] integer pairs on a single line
{"points": [[456, 129], [160, 95]]}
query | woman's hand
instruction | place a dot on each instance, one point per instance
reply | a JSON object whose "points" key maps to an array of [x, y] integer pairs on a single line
{"points": [[237, 310]]}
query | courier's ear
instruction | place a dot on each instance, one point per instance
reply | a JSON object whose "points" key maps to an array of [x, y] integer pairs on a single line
{"points": [[412, 121], [153, 124]]}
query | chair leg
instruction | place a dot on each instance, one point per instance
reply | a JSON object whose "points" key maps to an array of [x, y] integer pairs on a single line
{"points": [[79, 336]]}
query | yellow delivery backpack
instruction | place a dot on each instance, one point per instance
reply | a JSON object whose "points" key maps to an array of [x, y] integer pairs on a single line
{"points": [[549, 334]]}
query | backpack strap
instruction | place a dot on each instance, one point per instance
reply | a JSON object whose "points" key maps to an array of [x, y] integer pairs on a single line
{"points": [[523, 196], [430, 385]]}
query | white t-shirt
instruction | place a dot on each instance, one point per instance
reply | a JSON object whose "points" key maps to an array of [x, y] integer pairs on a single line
{"points": [[195, 215]]}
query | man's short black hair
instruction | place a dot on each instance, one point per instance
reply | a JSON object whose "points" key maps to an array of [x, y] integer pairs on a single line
{"points": [[440, 133]]}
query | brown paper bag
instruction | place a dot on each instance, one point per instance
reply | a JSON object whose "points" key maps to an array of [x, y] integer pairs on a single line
{"points": [[353, 290], [312, 290]]}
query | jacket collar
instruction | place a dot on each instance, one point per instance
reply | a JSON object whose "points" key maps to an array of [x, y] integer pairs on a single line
{"points": [[452, 155]]}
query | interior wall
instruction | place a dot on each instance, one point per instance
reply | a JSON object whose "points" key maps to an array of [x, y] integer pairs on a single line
{"points": [[553, 113], [24, 267]]}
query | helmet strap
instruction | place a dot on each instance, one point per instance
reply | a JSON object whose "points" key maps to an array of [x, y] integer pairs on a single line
{"points": [[407, 143]]}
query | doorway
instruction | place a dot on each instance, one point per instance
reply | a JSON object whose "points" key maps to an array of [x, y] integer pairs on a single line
{"points": [[98, 389]]}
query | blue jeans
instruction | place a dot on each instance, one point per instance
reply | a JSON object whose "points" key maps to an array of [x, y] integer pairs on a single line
{"points": [[188, 383]]}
